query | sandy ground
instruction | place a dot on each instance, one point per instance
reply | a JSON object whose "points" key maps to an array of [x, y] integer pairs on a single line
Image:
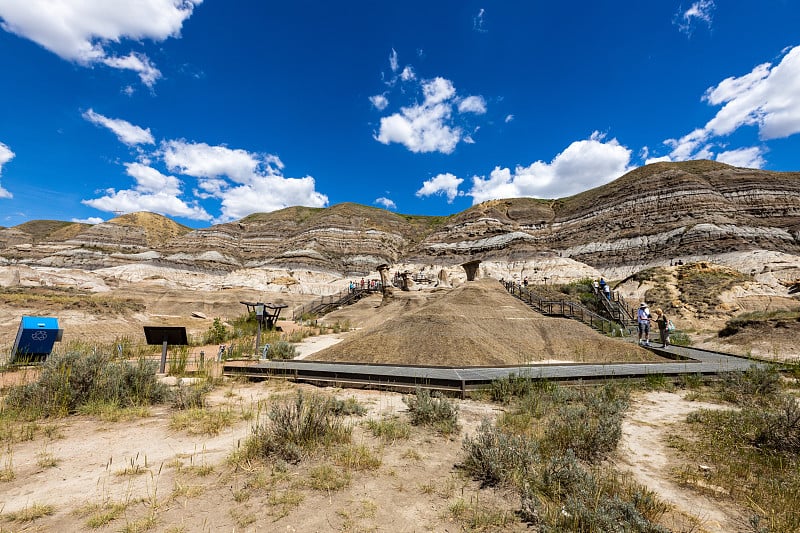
{"points": [[644, 452], [184, 481]]}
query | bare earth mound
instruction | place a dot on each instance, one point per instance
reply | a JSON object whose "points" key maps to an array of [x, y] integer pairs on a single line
{"points": [[476, 324]]}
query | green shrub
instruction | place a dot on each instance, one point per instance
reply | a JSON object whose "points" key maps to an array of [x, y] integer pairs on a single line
{"points": [[294, 429], [679, 338], [347, 407], [389, 429], [190, 396], [779, 427], [513, 386], [587, 502], [756, 384], [496, 457], [282, 350], [426, 409], [73, 379], [590, 427], [217, 333]]}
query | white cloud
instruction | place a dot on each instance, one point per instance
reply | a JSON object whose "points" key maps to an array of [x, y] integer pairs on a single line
{"points": [[509, 118], [203, 161], [442, 184], [662, 159], [582, 165], [84, 31], [126, 132], [751, 157], [393, 64], [472, 104], [6, 155], [386, 202], [269, 193], [154, 192], [90, 220], [138, 63], [699, 11], [479, 22], [379, 101], [428, 127], [768, 98], [243, 182], [258, 181], [408, 74]]}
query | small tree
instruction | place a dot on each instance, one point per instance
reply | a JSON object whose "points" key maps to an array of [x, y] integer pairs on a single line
{"points": [[217, 333]]}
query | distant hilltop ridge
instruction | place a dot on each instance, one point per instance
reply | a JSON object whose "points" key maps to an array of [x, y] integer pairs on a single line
{"points": [[662, 210]]}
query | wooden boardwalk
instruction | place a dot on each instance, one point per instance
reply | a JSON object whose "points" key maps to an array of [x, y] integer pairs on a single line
{"points": [[683, 361]]}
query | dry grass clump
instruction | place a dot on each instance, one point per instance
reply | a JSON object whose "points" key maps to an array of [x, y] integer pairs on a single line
{"points": [[72, 380], [434, 410], [783, 318], [294, 429], [750, 452], [549, 447], [69, 299]]}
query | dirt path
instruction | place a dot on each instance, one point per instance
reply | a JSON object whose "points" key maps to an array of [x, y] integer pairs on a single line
{"points": [[643, 451]]}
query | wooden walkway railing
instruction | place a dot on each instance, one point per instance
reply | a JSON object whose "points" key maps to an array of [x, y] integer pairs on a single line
{"points": [[326, 304], [563, 308]]}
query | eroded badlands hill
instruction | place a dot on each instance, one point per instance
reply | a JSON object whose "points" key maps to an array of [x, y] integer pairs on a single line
{"points": [[656, 212]]}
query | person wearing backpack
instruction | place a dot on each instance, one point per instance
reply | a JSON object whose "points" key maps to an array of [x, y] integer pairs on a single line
{"points": [[662, 322]]}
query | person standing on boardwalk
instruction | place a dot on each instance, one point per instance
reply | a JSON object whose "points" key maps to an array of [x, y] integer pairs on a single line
{"points": [[643, 321], [661, 322]]}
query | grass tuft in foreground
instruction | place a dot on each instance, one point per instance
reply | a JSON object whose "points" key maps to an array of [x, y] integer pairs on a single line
{"points": [[294, 429], [432, 409]]}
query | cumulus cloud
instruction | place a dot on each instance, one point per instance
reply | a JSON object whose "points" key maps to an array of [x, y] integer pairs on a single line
{"points": [[258, 181], [700, 11], [6, 155], [86, 32], [269, 193], [767, 98], [386, 203], [379, 101], [242, 182], [751, 157], [472, 104], [126, 132], [443, 184], [201, 160], [153, 192], [429, 126], [582, 165], [89, 220]]}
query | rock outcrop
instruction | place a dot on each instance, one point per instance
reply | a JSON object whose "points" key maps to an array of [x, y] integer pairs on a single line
{"points": [[650, 215]]}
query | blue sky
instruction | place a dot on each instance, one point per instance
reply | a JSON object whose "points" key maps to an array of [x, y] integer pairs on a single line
{"points": [[208, 110]]}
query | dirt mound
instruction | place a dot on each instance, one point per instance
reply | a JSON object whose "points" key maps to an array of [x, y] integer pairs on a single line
{"points": [[476, 324]]}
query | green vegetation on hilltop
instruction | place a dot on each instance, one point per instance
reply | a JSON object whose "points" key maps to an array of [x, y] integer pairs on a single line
{"points": [[68, 298], [772, 319]]}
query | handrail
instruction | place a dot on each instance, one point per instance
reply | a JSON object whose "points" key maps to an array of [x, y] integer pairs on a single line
{"points": [[561, 308], [325, 303]]}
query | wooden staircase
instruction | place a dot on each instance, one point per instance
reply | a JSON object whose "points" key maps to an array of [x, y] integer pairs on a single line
{"points": [[564, 308]]}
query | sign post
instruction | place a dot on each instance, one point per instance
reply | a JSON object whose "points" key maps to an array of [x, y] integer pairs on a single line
{"points": [[259, 319], [165, 335]]}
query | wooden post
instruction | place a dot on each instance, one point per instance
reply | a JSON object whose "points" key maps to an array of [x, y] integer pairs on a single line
{"points": [[163, 357]]}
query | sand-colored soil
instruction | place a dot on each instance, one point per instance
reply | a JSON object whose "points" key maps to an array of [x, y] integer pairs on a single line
{"points": [[475, 324]]}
